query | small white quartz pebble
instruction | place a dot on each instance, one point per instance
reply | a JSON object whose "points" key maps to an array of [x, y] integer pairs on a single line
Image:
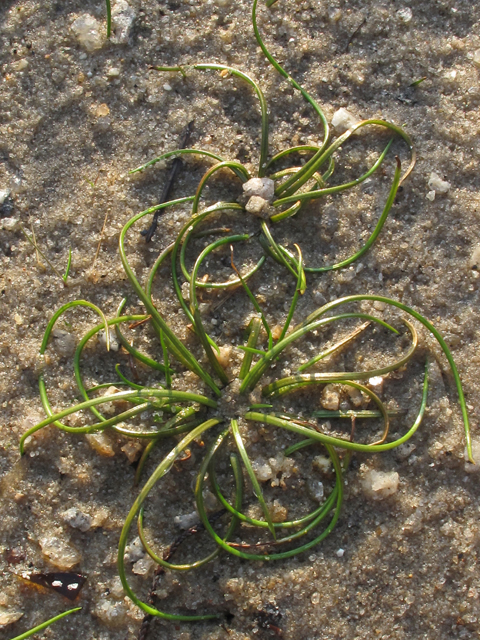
{"points": [[77, 519], [330, 398], [122, 20], [380, 484], [134, 551], [9, 224], [340, 553], [343, 120], [262, 187], [186, 521], [476, 58], [431, 196], [4, 193], [376, 385], [405, 15], [114, 72], [89, 32], [438, 185]]}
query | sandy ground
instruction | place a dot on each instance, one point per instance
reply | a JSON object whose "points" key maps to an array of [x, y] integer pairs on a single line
{"points": [[73, 122]]}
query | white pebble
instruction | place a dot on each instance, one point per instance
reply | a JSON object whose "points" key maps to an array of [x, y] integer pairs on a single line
{"points": [[114, 72], [4, 193], [436, 183], [343, 120], [340, 553], [262, 187], [405, 15], [9, 224], [134, 551], [167, 87], [143, 566], [431, 196], [330, 398], [89, 32], [122, 20], [263, 471], [376, 385], [186, 521], [77, 519], [380, 484], [476, 58]]}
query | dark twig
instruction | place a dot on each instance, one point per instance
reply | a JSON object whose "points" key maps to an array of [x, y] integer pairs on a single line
{"points": [[167, 555], [352, 36], [176, 164]]}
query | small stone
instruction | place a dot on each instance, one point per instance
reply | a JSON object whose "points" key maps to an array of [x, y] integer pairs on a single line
{"points": [[20, 65], [4, 193], [376, 385], [257, 206], [132, 450], [405, 15], [263, 471], [278, 512], [113, 614], [322, 464], [476, 58], [315, 598], [330, 398], [144, 566], [224, 356], [102, 110], [77, 519], [9, 617], [334, 14], [9, 224], [101, 443], [60, 553], [436, 183], [186, 521], [380, 484], [63, 342], [134, 551], [113, 72], [116, 588], [343, 120], [340, 553], [122, 20], [430, 196], [379, 305], [167, 87], [89, 32], [316, 490], [356, 397], [262, 187]]}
